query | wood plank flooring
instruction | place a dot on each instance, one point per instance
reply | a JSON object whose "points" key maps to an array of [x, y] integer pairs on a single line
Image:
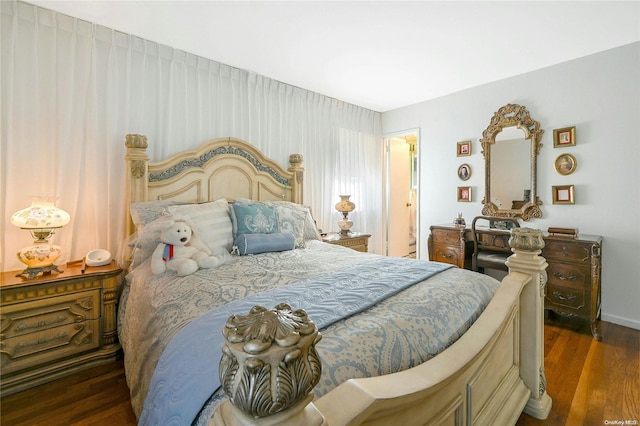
{"points": [[590, 383]]}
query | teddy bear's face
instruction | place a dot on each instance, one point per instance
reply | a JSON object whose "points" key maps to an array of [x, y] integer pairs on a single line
{"points": [[178, 234]]}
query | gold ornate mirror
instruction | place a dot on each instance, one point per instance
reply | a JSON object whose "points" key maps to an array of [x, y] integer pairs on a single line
{"points": [[510, 146]]}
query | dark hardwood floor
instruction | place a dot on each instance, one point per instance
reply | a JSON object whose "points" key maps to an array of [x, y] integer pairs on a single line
{"points": [[590, 382]]}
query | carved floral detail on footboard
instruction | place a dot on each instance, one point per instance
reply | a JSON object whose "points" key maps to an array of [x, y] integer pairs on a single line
{"points": [[269, 362]]}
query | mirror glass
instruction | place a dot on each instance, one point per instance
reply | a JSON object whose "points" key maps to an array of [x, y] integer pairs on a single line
{"points": [[510, 146], [510, 169]]}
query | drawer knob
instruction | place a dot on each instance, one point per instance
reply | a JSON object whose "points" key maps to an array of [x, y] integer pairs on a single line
{"points": [[569, 297]]}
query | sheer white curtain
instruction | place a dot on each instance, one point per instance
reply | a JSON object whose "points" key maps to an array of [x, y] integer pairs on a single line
{"points": [[72, 90]]}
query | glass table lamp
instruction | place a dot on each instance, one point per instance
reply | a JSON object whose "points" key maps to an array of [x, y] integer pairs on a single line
{"points": [[41, 218], [345, 206]]}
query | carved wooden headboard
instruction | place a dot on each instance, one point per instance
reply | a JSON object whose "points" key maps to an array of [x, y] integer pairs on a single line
{"points": [[221, 168]]}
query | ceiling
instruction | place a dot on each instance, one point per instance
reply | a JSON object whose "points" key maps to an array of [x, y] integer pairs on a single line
{"points": [[381, 55]]}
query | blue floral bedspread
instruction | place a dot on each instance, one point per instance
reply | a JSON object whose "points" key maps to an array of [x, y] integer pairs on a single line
{"points": [[399, 332]]}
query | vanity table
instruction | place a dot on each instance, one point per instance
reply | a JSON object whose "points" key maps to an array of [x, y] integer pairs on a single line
{"points": [[573, 275], [510, 147]]}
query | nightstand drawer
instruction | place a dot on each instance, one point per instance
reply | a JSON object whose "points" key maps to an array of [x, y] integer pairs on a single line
{"points": [[33, 317], [358, 244], [42, 347], [447, 254], [354, 240], [445, 236]]}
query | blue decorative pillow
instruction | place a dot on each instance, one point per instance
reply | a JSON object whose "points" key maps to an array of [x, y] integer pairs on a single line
{"points": [[263, 243], [254, 219]]}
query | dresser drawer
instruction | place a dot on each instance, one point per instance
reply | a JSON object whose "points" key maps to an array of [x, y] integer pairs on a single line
{"points": [[566, 297], [38, 332], [567, 251], [45, 346], [32, 317], [567, 275], [447, 254]]}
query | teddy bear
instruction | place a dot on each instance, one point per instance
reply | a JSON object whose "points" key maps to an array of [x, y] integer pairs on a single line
{"points": [[179, 250]]}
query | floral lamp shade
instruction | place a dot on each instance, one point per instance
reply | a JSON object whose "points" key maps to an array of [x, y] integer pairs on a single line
{"points": [[41, 218]]}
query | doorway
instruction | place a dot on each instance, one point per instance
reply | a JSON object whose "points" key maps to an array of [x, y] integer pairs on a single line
{"points": [[401, 194]]}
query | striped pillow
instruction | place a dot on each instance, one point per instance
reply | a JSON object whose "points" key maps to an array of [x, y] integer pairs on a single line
{"points": [[211, 222]]}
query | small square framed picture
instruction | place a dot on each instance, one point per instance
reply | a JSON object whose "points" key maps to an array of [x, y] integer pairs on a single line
{"points": [[464, 148], [464, 193], [563, 194], [564, 137]]}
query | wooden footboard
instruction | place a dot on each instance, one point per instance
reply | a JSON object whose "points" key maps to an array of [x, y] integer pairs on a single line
{"points": [[488, 377]]}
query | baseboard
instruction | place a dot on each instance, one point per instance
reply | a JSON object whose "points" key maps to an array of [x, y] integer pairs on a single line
{"points": [[627, 322]]}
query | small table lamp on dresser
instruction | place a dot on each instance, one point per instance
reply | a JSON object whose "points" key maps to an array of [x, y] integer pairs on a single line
{"points": [[41, 218], [345, 206]]}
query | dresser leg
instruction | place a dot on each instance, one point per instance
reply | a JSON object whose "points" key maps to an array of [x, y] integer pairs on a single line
{"points": [[595, 332]]}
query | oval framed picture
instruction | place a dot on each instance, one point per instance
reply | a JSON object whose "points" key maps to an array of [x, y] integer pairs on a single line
{"points": [[566, 164], [464, 171]]}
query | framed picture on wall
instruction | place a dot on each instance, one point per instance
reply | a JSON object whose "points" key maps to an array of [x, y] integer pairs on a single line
{"points": [[564, 137], [563, 194], [464, 148], [565, 164], [464, 172], [464, 193]]}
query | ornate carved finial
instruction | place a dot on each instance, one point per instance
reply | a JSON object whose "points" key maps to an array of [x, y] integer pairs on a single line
{"points": [[526, 239], [135, 141], [295, 159], [269, 362]]}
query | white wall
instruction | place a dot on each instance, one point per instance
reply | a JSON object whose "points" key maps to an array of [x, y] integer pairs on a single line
{"points": [[600, 95]]}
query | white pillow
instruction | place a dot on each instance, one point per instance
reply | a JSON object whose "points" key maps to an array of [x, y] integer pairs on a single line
{"points": [[211, 222], [310, 230], [145, 212]]}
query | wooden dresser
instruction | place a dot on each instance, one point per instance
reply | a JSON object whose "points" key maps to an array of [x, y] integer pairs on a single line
{"points": [[574, 276], [451, 244], [54, 325], [354, 240], [574, 272]]}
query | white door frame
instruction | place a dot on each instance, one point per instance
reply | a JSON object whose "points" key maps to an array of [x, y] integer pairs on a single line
{"points": [[387, 176]]}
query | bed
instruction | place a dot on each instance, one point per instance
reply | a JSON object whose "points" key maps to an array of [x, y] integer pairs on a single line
{"points": [[313, 333]]}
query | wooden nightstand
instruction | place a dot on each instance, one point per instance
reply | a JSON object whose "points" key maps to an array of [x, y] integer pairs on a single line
{"points": [[354, 240], [56, 325]]}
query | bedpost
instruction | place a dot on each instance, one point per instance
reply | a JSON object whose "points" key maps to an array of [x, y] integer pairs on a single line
{"points": [[527, 245], [295, 161], [137, 174], [268, 369]]}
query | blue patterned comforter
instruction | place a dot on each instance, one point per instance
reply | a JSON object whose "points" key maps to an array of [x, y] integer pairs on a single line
{"points": [[400, 332]]}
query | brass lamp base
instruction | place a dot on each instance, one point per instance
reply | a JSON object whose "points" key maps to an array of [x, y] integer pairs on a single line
{"points": [[31, 273]]}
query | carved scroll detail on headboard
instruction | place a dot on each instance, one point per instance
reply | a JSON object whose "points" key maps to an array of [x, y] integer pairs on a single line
{"points": [[204, 158]]}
